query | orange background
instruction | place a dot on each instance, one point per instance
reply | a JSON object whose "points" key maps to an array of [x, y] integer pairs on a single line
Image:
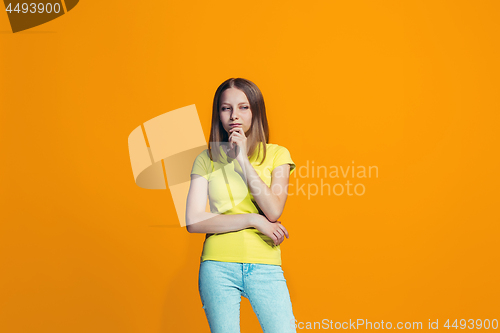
{"points": [[412, 88]]}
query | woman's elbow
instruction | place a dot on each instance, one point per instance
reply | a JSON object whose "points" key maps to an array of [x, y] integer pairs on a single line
{"points": [[190, 225], [191, 228], [273, 216]]}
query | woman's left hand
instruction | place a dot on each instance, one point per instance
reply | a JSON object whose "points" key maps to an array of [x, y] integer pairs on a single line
{"points": [[238, 142]]}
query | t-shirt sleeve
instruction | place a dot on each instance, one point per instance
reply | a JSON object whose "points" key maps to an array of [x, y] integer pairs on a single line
{"points": [[283, 157], [201, 165]]}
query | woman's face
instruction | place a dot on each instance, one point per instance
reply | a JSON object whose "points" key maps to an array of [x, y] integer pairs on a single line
{"points": [[235, 109]]}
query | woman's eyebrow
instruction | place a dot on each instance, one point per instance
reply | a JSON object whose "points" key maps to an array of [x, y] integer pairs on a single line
{"points": [[238, 103]]}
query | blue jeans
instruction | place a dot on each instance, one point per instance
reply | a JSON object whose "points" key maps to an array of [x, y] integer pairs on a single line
{"points": [[221, 285]]}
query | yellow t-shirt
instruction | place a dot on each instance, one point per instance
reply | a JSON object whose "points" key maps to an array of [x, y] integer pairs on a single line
{"points": [[228, 194]]}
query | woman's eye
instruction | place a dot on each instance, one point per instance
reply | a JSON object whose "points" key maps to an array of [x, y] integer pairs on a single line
{"points": [[245, 107]]}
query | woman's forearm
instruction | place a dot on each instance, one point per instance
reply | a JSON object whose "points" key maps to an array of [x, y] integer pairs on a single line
{"points": [[268, 202], [206, 223]]}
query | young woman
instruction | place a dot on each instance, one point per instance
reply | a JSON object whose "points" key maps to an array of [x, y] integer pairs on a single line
{"points": [[246, 180]]}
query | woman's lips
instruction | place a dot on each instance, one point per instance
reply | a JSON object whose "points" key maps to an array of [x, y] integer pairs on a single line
{"points": [[232, 125]]}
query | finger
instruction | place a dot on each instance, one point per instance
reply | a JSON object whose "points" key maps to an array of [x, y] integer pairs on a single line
{"points": [[282, 239], [280, 232], [275, 240], [235, 130], [231, 141], [233, 138], [278, 241], [285, 231], [238, 131], [279, 235], [273, 237]]}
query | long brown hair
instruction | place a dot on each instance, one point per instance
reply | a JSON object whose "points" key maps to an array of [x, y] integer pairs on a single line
{"points": [[259, 129]]}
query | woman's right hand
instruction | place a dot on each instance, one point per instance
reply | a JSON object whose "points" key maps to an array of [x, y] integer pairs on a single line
{"points": [[274, 230]]}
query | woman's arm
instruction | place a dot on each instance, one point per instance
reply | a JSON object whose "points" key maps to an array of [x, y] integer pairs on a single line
{"points": [[199, 221], [270, 200]]}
